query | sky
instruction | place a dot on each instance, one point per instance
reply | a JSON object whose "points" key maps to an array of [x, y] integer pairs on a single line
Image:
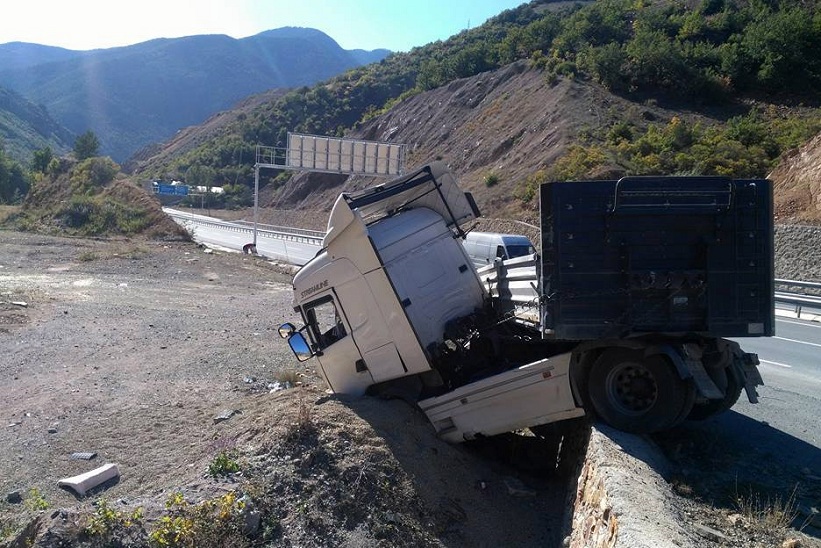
{"points": [[397, 25]]}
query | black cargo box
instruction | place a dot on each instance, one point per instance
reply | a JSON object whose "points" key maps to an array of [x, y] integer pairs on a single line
{"points": [[656, 254]]}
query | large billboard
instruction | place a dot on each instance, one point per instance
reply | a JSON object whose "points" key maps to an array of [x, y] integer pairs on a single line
{"points": [[337, 155]]}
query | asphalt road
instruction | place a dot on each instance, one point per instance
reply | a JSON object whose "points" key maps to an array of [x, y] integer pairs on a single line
{"points": [[790, 400], [287, 250]]}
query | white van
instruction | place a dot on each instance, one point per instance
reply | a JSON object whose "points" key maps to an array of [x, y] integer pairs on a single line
{"points": [[485, 247]]}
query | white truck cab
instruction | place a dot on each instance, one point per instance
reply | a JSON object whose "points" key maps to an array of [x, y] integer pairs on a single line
{"points": [[379, 293], [378, 299]]}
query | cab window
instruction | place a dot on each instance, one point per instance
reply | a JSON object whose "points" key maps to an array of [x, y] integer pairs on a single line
{"points": [[324, 322]]}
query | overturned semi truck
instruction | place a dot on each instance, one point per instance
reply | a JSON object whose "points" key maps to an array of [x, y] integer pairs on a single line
{"points": [[626, 313]]}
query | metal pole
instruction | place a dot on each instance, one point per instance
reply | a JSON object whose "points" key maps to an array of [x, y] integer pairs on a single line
{"points": [[256, 201]]}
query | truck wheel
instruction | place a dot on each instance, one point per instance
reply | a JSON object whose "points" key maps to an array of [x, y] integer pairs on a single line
{"points": [[638, 394], [733, 383]]}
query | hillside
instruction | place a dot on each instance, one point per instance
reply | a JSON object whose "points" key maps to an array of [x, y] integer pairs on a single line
{"points": [[135, 95], [91, 199], [25, 127], [550, 92], [189, 138], [505, 123]]}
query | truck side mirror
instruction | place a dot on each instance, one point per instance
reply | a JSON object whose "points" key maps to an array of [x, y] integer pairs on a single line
{"points": [[300, 346], [286, 329]]}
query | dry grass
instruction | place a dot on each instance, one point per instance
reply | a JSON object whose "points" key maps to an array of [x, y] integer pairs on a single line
{"points": [[302, 428], [767, 512], [291, 376]]}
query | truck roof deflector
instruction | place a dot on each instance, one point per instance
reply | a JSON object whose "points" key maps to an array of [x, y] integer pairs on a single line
{"points": [[432, 186]]}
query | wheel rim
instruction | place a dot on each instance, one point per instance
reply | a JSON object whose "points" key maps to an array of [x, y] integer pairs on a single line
{"points": [[631, 388]]}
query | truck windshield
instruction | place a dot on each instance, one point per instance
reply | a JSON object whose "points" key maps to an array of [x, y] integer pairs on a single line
{"points": [[324, 322]]}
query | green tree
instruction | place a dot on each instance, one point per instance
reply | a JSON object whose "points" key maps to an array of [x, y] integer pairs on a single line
{"points": [[199, 175], [86, 146], [42, 158], [94, 172], [14, 183]]}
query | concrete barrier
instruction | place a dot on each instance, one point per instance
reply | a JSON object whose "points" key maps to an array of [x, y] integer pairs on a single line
{"points": [[91, 479], [622, 499]]}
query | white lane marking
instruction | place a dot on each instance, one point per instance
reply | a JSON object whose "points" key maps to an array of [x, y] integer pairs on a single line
{"points": [[805, 324], [776, 363], [796, 341]]}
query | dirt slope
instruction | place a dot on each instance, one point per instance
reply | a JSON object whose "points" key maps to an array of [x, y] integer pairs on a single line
{"points": [[797, 182], [509, 123]]}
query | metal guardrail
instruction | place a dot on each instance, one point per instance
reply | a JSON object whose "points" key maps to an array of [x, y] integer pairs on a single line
{"points": [[283, 229], [809, 297], [310, 237], [514, 282]]}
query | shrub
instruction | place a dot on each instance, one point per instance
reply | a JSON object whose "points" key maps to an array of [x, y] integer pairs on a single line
{"points": [[529, 189], [216, 522], [491, 179], [93, 215], [107, 524], [224, 464], [35, 500]]}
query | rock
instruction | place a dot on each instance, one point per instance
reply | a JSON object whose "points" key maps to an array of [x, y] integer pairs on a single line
{"points": [[83, 483], [735, 519], [225, 415], [791, 543], [709, 533], [14, 497], [252, 521]]}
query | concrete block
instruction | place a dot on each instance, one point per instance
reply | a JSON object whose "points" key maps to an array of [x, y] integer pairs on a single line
{"points": [[91, 479]]}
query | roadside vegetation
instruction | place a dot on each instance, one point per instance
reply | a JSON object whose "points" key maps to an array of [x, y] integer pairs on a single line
{"points": [[80, 194], [748, 145]]}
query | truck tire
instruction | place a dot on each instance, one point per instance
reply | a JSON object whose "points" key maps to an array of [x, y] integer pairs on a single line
{"points": [[638, 394], [732, 380]]}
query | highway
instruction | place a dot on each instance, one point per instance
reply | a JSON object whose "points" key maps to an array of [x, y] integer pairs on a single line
{"points": [[293, 246], [792, 355], [790, 400]]}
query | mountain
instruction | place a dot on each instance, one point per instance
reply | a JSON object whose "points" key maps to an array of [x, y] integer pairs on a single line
{"points": [[135, 95], [25, 127], [23, 55]]}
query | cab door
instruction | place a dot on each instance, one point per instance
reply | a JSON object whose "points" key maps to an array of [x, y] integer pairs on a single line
{"points": [[340, 362], [374, 328]]}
